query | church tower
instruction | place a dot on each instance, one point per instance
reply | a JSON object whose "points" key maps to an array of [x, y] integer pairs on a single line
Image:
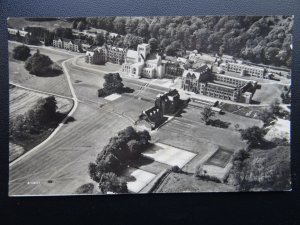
{"points": [[143, 51]]}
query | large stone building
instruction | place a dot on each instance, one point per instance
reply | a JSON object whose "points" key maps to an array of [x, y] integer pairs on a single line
{"points": [[191, 79], [165, 104], [68, 44], [106, 53], [243, 69], [203, 82], [142, 63], [173, 70]]}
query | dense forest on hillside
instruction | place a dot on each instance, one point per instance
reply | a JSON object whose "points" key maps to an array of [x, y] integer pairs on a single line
{"points": [[260, 39]]}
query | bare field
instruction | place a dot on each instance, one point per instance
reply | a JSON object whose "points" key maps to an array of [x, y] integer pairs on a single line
{"points": [[176, 182]]}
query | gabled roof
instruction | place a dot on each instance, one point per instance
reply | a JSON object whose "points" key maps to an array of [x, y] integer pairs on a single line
{"points": [[188, 73]]}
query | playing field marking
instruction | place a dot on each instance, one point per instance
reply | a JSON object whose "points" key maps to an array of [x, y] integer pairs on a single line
{"points": [[169, 155], [113, 97]]}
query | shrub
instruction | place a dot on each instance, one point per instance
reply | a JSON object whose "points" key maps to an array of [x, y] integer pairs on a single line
{"points": [[254, 135], [176, 169], [110, 182], [85, 189], [21, 52], [101, 93], [218, 123], [241, 155]]}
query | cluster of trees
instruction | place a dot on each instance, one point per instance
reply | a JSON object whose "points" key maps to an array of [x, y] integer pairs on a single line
{"points": [[254, 135], [262, 170], [41, 116], [274, 110], [115, 157], [261, 39], [21, 52], [113, 84], [207, 114], [38, 34], [41, 65]]}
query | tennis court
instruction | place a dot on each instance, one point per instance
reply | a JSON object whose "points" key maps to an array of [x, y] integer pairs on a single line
{"points": [[169, 155]]}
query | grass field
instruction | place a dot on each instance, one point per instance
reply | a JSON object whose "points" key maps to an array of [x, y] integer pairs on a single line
{"points": [[177, 182], [57, 84], [19, 23], [20, 101], [65, 159]]}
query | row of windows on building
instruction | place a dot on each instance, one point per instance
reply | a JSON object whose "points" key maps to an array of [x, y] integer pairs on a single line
{"points": [[230, 80]]}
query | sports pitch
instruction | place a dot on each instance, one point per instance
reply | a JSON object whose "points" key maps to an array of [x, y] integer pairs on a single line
{"points": [[169, 155], [137, 179]]}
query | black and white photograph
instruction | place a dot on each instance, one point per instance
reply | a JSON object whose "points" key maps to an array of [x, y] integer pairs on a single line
{"points": [[149, 104]]}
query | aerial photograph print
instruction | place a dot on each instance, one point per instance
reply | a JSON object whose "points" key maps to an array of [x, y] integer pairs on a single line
{"points": [[149, 104]]}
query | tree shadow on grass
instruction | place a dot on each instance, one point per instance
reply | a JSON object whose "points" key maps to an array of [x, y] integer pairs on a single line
{"points": [[127, 90], [50, 73], [60, 117], [181, 107], [141, 161], [70, 119]]}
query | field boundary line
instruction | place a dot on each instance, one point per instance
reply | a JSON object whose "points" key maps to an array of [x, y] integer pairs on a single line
{"points": [[38, 91], [75, 105]]}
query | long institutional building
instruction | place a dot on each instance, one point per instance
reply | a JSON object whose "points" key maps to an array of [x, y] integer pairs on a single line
{"points": [[202, 81], [142, 63], [243, 69]]}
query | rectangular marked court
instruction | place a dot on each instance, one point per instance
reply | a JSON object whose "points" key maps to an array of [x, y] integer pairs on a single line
{"points": [[169, 155], [113, 97], [137, 179]]}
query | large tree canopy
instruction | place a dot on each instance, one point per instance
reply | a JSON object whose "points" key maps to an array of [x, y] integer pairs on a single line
{"points": [[21, 52], [38, 63], [115, 156]]}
